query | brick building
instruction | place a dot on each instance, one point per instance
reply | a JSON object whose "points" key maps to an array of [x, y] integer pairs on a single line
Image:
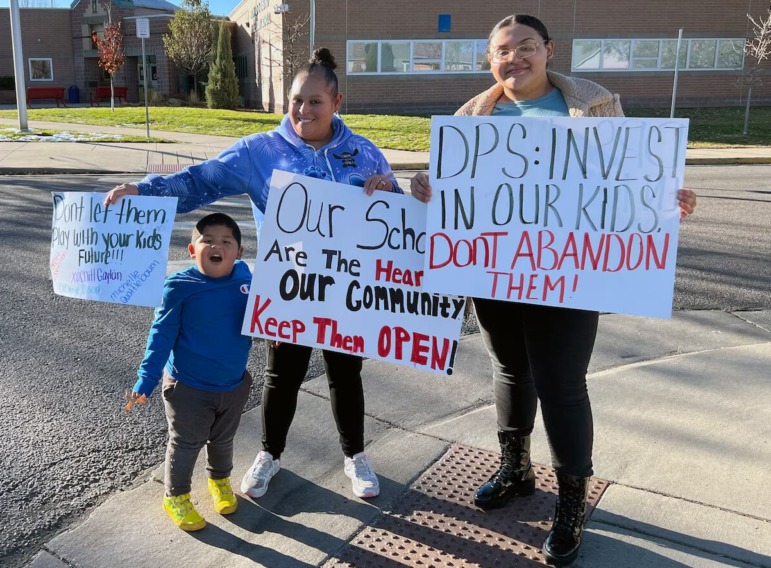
{"points": [[59, 51], [403, 56], [407, 56], [46, 43]]}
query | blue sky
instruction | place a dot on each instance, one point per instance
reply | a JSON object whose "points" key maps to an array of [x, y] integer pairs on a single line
{"points": [[217, 7]]}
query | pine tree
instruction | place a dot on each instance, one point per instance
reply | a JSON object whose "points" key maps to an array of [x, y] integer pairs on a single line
{"points": [[222, 88]]}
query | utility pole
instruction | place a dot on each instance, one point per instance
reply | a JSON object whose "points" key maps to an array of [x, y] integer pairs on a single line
{"points": [[677, 62], [312, 26], [18, 65]]}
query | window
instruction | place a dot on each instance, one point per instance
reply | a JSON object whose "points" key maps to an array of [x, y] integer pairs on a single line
{"points": [[480, 61], [702, 54], [417, 56], [153, 71], [657, 54], [426, 56], [730, 53], [394, 56], [41, 69], [645, 55], [459, 56], [616, 54], [242, 72], [669, 53], [96, 31], [362, 57], [586, 54]]}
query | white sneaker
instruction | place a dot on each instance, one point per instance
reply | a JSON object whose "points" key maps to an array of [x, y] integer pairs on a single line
{"points": [[256, 480], [363, 479]]}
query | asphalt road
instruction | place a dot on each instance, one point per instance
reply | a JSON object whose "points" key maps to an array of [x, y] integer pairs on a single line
{"points": [[724, 251], [67, 443]]}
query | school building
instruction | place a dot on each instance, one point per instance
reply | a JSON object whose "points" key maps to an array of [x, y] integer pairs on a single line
{"points": [[59, 50], [404, 56]]}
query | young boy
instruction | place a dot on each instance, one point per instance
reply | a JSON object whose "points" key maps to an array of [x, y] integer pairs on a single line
{"points": [[196, 346]]}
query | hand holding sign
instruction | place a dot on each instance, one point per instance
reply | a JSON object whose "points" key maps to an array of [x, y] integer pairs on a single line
{"points": [[580, 213], [342, 270]]}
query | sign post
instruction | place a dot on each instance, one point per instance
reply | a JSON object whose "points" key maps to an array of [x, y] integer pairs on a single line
{"points": [[143, 32]]}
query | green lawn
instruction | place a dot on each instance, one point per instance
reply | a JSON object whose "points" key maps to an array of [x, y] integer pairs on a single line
{"points": [[719, 127], [709, 127]]}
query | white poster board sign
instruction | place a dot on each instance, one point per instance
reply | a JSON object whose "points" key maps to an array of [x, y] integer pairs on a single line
{"points": [[115, 253], [343, 271], [571, 212]]}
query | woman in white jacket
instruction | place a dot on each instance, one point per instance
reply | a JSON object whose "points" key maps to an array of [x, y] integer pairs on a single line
{"points": [[539, 352]]}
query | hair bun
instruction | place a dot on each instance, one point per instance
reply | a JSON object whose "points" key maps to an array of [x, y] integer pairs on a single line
{"points": [[322, 56]]}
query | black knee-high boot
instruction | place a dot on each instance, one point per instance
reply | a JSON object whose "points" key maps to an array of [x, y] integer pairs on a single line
{"points": [[514, 478], [564, 539]]}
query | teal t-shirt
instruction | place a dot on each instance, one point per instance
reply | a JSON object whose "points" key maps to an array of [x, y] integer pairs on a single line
{"points": [[551, 104]]}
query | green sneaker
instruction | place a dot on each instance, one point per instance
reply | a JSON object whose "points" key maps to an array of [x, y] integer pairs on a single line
{"points": [[224, 500], [182, 512]]}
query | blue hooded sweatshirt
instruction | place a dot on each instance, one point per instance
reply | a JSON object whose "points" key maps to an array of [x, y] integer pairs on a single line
{"points": [[247, 166]]}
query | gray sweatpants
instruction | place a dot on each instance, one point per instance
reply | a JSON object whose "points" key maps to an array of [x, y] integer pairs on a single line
{"points": [[199, 418]]}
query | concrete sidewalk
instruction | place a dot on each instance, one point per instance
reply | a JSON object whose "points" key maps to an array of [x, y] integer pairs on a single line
{"points": [[136, 159], [682, 412]]}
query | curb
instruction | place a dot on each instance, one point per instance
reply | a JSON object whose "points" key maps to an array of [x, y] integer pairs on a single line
{"points": [[65, 171], [727, 161], [409, 166]]}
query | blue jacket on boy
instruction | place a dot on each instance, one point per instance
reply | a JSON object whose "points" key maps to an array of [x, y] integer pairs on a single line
{"points": [[196, 333]]}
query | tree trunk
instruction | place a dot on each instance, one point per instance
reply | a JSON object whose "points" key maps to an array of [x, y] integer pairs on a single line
{"points": [[112, 95], [747, 112]]}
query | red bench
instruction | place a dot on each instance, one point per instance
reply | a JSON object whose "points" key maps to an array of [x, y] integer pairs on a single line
{"points": [[104, 93], [39, 93]]}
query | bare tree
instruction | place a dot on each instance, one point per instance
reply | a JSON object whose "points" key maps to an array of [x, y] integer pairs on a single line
{"points": [[296, 50], [758, 48], [191, 38], [290, 42]]}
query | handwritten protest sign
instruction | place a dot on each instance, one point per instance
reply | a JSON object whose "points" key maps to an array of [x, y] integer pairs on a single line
{"points": [[115, 253], [339, 270], [567, 212]]}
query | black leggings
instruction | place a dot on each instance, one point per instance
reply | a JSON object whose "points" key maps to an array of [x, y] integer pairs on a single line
{"points": [[285, 371], [542, 353]]}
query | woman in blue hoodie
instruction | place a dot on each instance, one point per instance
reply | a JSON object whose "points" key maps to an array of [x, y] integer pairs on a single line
{"points": [[311, 140]]}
